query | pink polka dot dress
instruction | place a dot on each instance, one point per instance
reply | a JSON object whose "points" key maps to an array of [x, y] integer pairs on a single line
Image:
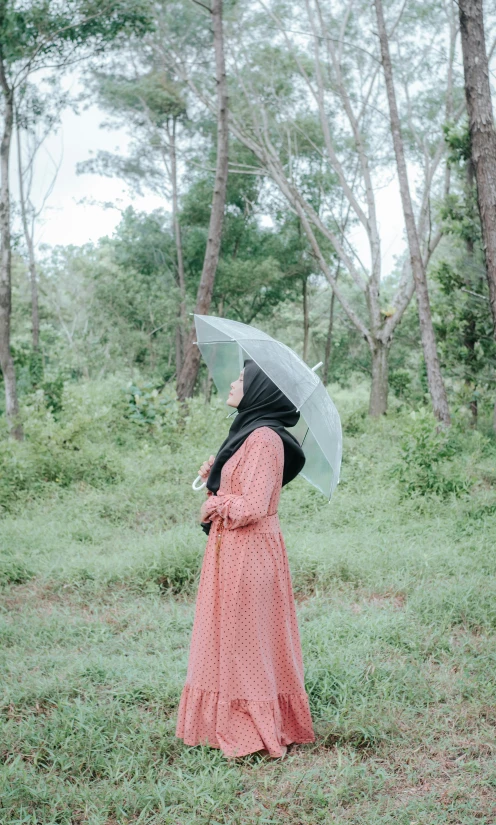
{"points": [[244, 688]]}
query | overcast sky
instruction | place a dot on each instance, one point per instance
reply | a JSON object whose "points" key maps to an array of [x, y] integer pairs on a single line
{"points": [[75, 212]]}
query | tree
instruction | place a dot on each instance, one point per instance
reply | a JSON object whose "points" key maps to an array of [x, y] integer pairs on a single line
{"points": [[34, 36], [152, 106], [187, 377], [464, 326], [435, 379], [306, 101], [259, 267], [482, 131], [36, 115], [114, 302], [482, 134], [136, 294], [6, 360]]}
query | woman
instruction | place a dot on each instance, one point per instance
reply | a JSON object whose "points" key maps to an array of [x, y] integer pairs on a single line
{"points": [[244, 688]]}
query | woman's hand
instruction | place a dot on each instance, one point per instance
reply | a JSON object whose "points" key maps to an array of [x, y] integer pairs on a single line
{"points": [[204, 470]]}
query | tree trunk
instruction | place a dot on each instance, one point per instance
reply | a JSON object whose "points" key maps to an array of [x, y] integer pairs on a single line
{"points": [[469, 328], [380, 384], [469, 187], [178, 343], [6, 360], [306, 319], [330, 330], [208, 388], [181, 323], [482, 131], [186, 379], [482, 134], [35, 315], [474, 408], [436, 384], [328, 346], [469, 342]]}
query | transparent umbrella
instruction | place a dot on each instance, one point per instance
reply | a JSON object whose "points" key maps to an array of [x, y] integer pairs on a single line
{"points": [[224, 345]]}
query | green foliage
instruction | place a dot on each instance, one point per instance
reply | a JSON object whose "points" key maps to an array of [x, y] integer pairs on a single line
{"points": [[460, 302], [55, 453], [119, 300], [356, 422], [427, 455], [36, 367], [52, 393], [400, 381], [468, 603], [259, 268], [153, 95], [148, 405], [135, 292], [85, 442], [40, 31], [142, 244], [51, 458], [457, 138]]}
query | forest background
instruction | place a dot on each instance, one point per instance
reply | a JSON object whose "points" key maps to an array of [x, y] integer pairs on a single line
{"points": [[268, 129]]}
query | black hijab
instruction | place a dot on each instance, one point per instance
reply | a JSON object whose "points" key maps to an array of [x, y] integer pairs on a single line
{"points": [[263, 405]]}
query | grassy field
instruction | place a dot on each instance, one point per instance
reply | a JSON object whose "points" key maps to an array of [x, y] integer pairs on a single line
{"points": [[397, 610]]}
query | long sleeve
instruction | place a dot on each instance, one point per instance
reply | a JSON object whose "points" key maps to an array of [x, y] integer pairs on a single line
{"points": [[261, 471]]}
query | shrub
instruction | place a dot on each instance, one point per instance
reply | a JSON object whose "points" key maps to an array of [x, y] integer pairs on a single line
{"points": [[148, 405], [400, 381], [356, 422], [54, 454], [94, 427], [427, 459], [53, 393]]}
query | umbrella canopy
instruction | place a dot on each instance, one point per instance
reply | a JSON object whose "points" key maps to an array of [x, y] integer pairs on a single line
{"points": [[224, 345]]}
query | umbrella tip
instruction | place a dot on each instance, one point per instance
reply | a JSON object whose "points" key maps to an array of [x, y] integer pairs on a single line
{"points": [[317, 366]]}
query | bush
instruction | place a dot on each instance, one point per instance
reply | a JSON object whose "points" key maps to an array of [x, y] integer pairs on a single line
{"points": [[97, 424], [356, 422], [400, 381], [149, 405], [53, 392], [54, 454], [427, 466]]}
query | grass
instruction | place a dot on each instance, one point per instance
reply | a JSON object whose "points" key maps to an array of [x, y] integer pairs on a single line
{"points": [[397, 611]]}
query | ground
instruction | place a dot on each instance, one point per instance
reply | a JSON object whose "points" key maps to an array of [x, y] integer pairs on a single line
{"points": [[397, 611]]}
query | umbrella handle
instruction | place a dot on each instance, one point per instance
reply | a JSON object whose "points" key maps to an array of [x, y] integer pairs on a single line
{"points": [[195, 483]]}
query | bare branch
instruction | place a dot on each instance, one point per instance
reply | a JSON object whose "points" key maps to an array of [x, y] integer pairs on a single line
{"points": [[203, 6]]}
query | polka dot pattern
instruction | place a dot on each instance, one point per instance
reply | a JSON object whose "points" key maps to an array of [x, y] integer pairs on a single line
{"points": [[244, 687]]}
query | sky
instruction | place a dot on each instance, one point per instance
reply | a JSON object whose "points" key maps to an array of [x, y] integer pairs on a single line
{"points": [[76, 210]]}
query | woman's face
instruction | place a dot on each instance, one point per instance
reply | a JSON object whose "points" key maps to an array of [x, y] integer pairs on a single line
{"points": [[236, 393]]}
